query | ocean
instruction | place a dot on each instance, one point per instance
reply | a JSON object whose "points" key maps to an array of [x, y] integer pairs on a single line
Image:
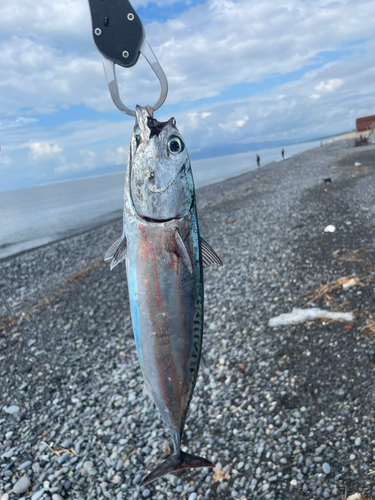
{"points": [[35, 216]]}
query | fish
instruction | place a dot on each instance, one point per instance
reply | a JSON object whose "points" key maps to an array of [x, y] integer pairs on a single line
{"points": [[164, 256]]}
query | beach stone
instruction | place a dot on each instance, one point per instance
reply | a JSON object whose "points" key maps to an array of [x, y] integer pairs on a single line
{"points": [[66, 444], [26, 464], [326, 468], [38, 494], [173, 480], [36, 467], [56, 496], [146, 493], [22, 485], [193, 496], [137, 479], [11, 410], [119, 464]]}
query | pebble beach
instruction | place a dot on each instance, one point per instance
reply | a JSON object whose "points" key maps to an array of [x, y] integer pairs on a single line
{"points": [[285, 412]]}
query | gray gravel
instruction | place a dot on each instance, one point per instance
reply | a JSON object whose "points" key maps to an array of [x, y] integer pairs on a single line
{"points": [[286, 413]]}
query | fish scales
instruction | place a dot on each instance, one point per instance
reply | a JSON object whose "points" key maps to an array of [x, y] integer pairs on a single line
{"points": [[162, 250], [166, 297]]}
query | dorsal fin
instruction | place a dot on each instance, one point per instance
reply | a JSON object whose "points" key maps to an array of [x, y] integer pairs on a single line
{"points": [[209, 256], [182, 250]]}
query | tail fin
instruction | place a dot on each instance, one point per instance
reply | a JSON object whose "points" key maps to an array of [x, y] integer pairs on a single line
{"points": [[172, 464]]}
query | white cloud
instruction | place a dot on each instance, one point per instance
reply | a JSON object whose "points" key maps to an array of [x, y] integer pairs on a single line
{"points": [[208, 49], [204, 50], [44, 151], [5, 162], [21, 121], [117, 157], [329, 86], [241, 123], [88, 163]]}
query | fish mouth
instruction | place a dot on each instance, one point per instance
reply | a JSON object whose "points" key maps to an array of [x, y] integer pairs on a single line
{"points": [[157, 221], [161, 221]]}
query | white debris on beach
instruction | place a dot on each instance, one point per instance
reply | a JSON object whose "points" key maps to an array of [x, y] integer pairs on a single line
{"points": [[330, 229], [301, 315]]}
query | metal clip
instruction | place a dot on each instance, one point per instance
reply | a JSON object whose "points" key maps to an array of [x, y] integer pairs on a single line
{"points": [[110, 73]]}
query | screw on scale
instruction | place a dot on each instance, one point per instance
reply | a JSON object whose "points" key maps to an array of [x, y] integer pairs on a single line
{"points": [[120, 38]]}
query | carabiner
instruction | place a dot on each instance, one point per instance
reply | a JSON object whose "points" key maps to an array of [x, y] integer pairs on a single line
{"points": [[120, 38]]}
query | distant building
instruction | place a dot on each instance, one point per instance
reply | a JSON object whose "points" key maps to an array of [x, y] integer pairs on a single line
{"points": [[365, 123]]}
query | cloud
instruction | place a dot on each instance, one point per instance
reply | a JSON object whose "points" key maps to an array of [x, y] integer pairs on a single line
{"points": [[208, 48], [241, 123], [21, 121], [211, 51], [5, 162], [329, 86], [117, 157], [44, 151], [88, 163]]}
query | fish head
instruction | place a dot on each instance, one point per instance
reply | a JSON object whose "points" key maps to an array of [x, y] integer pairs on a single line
{"points": [[161, 180]]}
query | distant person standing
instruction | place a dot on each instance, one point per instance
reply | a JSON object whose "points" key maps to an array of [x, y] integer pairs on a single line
{"points": [[258, 161], [283, 153]]}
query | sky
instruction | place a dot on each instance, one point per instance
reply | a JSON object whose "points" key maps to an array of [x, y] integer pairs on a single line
{"points": [[241, 73]]}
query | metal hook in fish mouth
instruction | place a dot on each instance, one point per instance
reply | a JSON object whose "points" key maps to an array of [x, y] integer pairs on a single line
{"points": [[109, 69]]}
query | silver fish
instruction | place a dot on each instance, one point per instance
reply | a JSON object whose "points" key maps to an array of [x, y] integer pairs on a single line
{"points": [[164, 257]]}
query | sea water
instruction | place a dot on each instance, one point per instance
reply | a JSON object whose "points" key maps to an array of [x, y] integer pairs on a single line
{"points": [[35, 216]]}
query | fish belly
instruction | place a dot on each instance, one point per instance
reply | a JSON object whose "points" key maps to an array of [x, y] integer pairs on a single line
{"points": [[167, 313]]}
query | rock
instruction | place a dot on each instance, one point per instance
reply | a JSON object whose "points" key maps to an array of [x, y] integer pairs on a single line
{"points": [[137, 479], [67, 443], [9, 453], [173, 480], [11, 410], [36, 467], [26, 464], [146, 493], [193, 496], [119, 464], [38, 494], [55, 496], [326, 468], [22, 485], [63, 458]]}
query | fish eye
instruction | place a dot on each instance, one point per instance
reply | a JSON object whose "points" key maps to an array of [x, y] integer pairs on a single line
{"points": [[175, 145]]}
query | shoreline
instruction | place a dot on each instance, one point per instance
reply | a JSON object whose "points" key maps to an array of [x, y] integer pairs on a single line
{"points": [[206, 172], [287, 412]]}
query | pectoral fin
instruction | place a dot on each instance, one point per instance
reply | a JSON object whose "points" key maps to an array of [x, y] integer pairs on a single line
{"points": [[182, 250], [116, 252], [209, 256]]}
